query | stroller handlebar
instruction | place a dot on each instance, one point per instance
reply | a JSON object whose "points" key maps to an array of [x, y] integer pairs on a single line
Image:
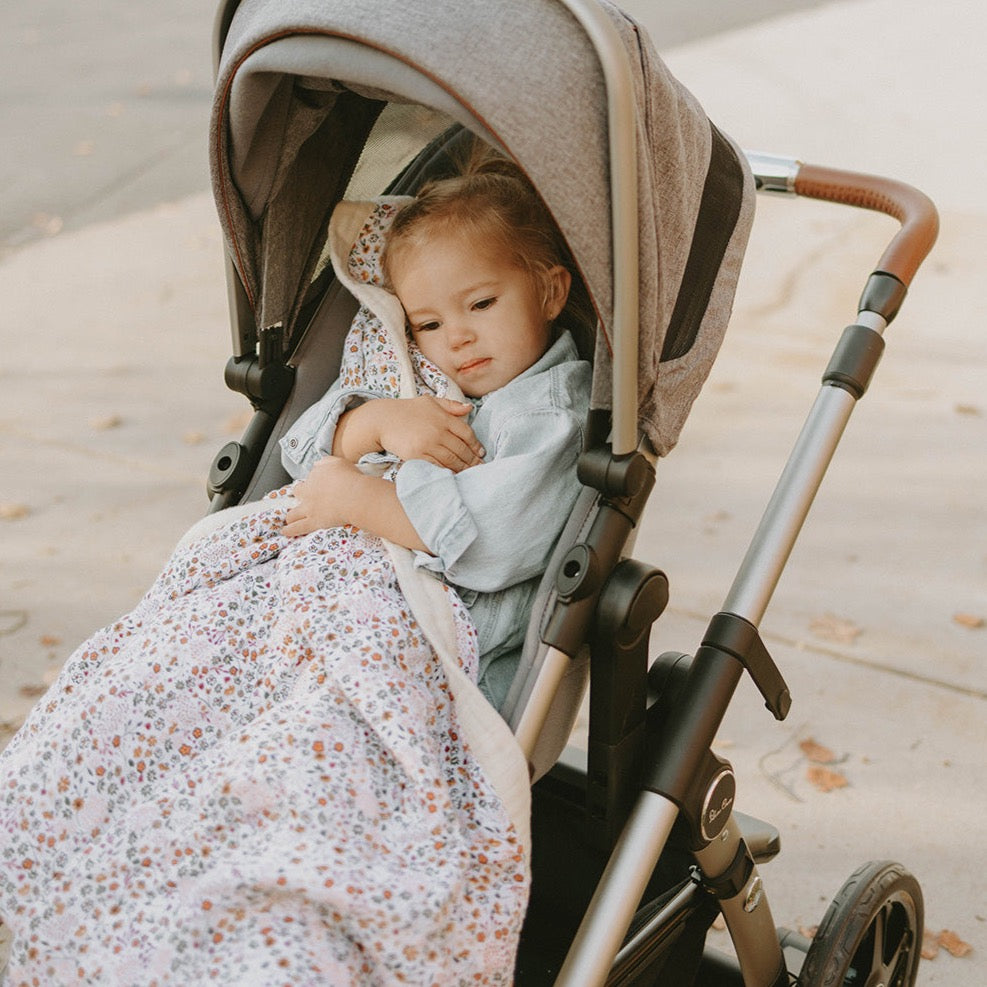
{"points": [[913, 209]]}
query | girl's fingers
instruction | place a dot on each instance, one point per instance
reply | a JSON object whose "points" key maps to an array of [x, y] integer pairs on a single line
{"points": [[460, 428], [455, 407], [296, 523], [458, 454], [472, 445]]}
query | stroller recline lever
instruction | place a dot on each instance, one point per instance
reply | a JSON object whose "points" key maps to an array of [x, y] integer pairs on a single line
{"points": [[740, 639]]}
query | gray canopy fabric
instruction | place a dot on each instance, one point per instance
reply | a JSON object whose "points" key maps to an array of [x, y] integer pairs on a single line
{"points": [[300, 85]]}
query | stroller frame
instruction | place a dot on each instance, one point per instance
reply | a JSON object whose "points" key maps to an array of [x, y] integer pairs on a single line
{"points": [[682, 780], [685, 789], [652, 798]]}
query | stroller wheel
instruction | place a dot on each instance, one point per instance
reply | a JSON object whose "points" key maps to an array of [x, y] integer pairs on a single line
{"points": [[871, 935]]}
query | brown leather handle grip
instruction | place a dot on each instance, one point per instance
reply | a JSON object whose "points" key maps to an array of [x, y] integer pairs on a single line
{"points": [[912, 208]]}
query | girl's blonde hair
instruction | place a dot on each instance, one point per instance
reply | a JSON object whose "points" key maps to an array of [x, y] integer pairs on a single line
{"points": [[490, 198]]}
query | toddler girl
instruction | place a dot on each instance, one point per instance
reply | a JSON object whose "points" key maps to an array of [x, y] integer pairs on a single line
{"points": [[486, 483]]}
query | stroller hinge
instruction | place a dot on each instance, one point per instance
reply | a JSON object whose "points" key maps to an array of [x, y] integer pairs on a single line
{"points": [[264, 377], [683, 723], [589, 564], [619, 478], [266, 380], [633, 598]]}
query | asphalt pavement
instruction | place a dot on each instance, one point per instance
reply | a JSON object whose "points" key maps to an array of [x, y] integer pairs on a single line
{"points": [[114, 335]]}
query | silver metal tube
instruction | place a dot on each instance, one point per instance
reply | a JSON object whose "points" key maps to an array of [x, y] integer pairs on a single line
{"points": [[873, 321], [612, 907], [747, 914], [773, 173], [624, 201], [789, 505], [657, 921], [554, 667]]}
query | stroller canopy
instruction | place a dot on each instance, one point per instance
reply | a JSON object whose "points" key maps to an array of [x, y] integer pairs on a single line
{"points": [[317, 100]]}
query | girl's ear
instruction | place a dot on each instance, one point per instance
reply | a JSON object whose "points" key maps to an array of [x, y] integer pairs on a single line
{"points": [[557, 281]]}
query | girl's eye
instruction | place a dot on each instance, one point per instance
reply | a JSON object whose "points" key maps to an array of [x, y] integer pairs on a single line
{"points": [[425, 327], [484, 303]]}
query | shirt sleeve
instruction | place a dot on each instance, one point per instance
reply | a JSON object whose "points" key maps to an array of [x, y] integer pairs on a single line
{"points": [[495, 524], [311, 436]]}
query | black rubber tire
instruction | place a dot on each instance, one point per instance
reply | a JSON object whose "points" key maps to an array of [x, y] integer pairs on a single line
{"points": [[871, 934]]}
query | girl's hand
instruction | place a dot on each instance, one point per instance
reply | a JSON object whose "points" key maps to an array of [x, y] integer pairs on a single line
{"points": [[323, 498], [337, 493], [428, 428]]}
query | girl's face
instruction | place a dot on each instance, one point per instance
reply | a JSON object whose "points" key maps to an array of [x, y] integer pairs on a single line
{"points": [[476, 315]]}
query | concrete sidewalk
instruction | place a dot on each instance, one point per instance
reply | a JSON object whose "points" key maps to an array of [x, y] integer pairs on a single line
{"points": [[113, 404]]}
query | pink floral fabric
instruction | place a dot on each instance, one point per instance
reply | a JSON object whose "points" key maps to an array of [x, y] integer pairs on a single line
{"points": [[258, 777], [369, 360]]}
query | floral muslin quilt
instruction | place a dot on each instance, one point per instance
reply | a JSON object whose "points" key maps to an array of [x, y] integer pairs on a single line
{"points": [[267, 773]]}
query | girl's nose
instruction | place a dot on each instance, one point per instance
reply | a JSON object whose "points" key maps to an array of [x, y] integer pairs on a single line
{"points": [[460, 334]]}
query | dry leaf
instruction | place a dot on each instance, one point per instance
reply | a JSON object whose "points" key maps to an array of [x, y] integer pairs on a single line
{"points": [[13, 512], [46, 223], [953, 945], [968, 409], [808, 931], [816, 752], [105, 422], [968, 620], [930, 945], [832, 628], [33, 691], [49, 640], [825, 779]]}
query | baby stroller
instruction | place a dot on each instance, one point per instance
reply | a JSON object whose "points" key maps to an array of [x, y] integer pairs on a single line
{"points": [[636, 847]]}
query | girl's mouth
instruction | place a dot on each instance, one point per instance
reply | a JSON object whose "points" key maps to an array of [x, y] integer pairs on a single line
{"points": [[472, 365]]}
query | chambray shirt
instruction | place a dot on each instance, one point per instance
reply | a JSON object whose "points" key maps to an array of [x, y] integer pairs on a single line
{"points": [[491, 527]]}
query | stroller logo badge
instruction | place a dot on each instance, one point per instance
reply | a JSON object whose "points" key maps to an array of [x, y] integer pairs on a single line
{"points": [[716, 805]]}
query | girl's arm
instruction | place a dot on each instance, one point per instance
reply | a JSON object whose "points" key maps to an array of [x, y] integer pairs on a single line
{"points": [[337, 493], [427, 428]]}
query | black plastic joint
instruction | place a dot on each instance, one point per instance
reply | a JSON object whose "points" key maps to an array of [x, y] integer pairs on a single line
{"points": [[739, 638], [855, 359], [231, 470], [883, 295], [265, 386], [620, 477], [734, 879], [580, 573]]}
